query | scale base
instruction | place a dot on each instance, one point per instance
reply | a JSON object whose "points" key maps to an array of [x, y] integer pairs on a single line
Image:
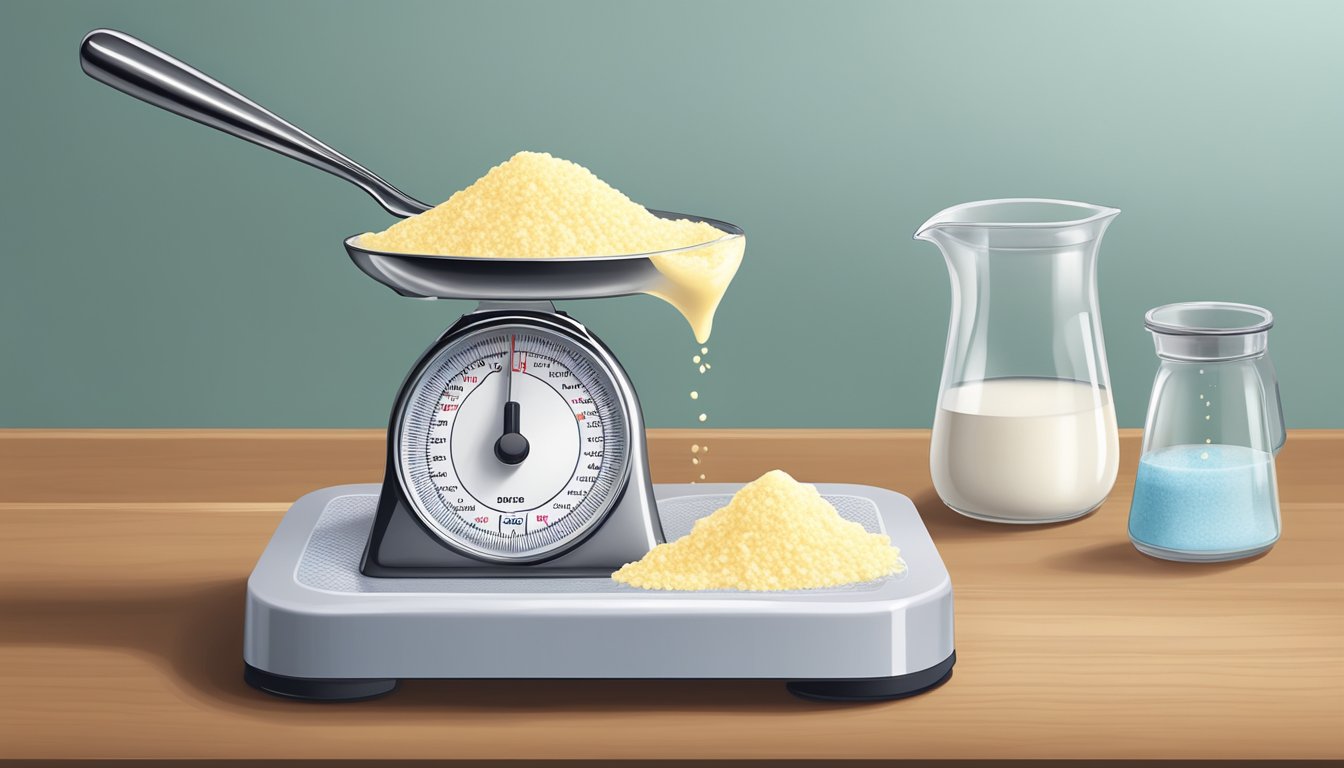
{"points": [[858, 689], [319, 629]]}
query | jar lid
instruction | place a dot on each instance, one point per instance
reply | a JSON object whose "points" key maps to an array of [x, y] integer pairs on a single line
{"points": [[1208, 318], [1209, 330]]}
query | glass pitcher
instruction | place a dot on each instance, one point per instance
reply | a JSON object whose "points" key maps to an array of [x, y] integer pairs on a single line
{"points": [[1206, 488], [1024, 430]]}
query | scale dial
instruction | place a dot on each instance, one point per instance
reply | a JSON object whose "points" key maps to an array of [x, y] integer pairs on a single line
{"points": [[566, 404]]}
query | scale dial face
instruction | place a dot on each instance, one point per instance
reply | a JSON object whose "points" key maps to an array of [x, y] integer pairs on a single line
{"points": [[570, 412]]}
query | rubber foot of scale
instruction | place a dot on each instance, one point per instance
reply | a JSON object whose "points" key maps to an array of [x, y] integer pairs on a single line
{"points": [[309, 689], [876, 688]]}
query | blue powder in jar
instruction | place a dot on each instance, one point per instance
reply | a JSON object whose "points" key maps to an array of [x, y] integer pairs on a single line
{"points": [[1205, 500]]}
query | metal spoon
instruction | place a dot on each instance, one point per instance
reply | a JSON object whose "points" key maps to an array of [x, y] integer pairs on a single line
{"points": [[143, 71]]}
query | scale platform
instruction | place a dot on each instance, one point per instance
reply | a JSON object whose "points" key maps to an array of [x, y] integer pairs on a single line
{"points": [[318, 628]]}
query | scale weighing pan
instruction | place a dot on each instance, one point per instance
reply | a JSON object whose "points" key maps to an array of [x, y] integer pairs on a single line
{"points": [[505, 279], [318, 628]]}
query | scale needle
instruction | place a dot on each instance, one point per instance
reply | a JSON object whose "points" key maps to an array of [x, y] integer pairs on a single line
{"points": [[511, 447]]}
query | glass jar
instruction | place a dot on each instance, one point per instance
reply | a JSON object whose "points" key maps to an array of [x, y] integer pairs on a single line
{"points": [[1206, 489]]}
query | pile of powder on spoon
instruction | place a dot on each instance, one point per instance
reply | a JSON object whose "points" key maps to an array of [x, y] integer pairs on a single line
{"points": [[535, 206]]}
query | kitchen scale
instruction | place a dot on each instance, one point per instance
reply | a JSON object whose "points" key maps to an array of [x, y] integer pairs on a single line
{"points": [[517, 481]]}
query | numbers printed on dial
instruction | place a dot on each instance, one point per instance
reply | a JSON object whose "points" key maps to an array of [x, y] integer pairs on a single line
{"points": [[512, 514], [567, 410]]}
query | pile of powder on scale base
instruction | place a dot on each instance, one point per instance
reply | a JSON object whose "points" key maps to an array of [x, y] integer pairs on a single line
{"points": [[535, 206], [775, 534]]}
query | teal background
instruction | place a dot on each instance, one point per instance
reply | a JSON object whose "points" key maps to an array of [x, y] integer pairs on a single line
{"points": [[160, 274]]}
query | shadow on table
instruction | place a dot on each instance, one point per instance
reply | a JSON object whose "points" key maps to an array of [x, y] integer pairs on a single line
{"points": [[1120, 558], [945, 524], [196, 633]]}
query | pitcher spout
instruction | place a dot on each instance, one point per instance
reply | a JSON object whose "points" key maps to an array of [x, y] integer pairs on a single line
{"points": [[1052, 222]]}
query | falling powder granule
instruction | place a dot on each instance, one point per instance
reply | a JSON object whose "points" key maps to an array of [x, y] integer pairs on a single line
{"points": [[775, 534], [535, 206]]}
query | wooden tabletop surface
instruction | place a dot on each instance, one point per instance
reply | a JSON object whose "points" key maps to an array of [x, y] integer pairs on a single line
{"points": [[125, 557]]}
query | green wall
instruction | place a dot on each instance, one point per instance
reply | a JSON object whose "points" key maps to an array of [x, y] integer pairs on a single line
{"points": [[159, 274]]}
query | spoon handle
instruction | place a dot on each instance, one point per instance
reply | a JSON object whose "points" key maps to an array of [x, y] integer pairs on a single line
{"points": [[140, 70]]}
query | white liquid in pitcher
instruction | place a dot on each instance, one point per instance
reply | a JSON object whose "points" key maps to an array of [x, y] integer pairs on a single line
{"points": [[1024, 450]]}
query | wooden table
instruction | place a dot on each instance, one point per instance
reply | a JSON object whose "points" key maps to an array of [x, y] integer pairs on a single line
{"points": [[125, 556]]}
